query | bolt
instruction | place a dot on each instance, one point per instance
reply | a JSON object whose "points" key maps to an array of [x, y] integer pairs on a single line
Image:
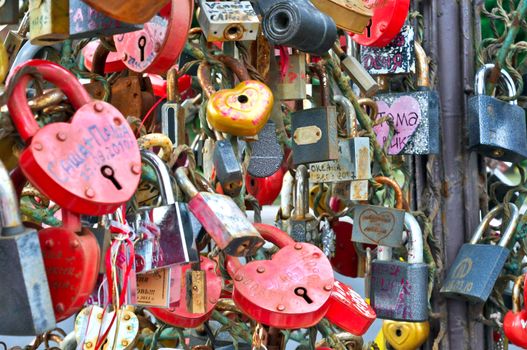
{"points": [[38, 146], [260, 269], [59, 307], [88, 344], [280, 307], [75, 244], [212, 301], [61, 136], [238, 278], [49, 243], [90, 193], [126, 317], [328, 287], [298, 246], [99, 316], [98, 107], [136, 169], [124, 343]]}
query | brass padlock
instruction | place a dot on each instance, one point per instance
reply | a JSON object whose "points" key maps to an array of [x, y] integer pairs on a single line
{"points": [[350, 15], [49, 21]]}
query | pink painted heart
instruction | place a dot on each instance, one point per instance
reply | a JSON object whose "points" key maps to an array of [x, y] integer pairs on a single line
{"points": [[406, 115]]}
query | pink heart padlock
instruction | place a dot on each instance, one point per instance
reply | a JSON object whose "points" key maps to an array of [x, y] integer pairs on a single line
{"points": [[89, 166], [515, 321]]}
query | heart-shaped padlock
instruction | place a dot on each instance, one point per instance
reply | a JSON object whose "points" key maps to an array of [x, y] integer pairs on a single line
{"points": [[405, 335], [290, 291], [177, 315], [515, 321], [242, 111], [93, 322], [71, 258], [89, 166]]}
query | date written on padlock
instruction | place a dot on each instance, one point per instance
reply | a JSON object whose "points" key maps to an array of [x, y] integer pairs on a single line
{"points": [[228, 20]]}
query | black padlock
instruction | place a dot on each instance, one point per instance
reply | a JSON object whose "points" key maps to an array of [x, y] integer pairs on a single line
{"points": [[267, 155], [228, 168], [299, 24]]}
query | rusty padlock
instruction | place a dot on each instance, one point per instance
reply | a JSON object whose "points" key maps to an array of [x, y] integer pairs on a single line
{"points": [[89, 166]]}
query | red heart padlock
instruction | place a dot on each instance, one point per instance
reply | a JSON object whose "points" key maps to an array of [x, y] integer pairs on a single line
{"points": [[89, 166], [290, 291], [71, 257], [387, 20], [156, 47], [265, 189], [515, 321], [178, 315], [349, 311]]}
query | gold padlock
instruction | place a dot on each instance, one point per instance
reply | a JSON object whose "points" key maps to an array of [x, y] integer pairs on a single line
{"points": [[405, 335], [351, 15], [49, 21]]}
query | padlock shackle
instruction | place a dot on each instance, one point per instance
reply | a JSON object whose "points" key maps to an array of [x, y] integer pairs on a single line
{"points": [[320, 71], [173, 95], [422, 69], [516, 293], [184, 182], [509, 230], [415, 239], [150, 141], [162, 174], [204, 79], [286, 194], [384, 253], [237, 67], [481, 75], [9, 214], [349, 112], [399, 200], [374, 108], [100, 55], [17, 104], [301, 191]]}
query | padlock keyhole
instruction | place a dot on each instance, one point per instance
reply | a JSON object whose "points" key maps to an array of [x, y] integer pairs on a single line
{"points": [[108, 172], [368, 28], [398, 332], [243, 99], [302, 292], [141, 43]]}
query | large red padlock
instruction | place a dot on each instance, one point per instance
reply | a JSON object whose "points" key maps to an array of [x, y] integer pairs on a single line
{"points": [[177, 315], [156, 47], [71, 257], [265, 189], [387, 20], [515, 321], [89, 166], [290, 291]]}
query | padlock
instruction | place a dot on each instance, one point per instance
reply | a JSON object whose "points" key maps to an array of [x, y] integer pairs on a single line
{"points": [[228, 21], [395, 58], [175, 242], [89, 166], [71, 257], [172, 113], [387, 20], [265, 189], [355, 69], [242, 111], [350, 15], [14, 40], [222, 219], [496, 129], [156, 47], [26, 301], [228, 168], [49, 21], [267, 155], [515, 321], [292, 85], [354, 161], [4, 63], [177, 314], [380, 225], [303, 226], [9, 12], [349, 311], [314, 130], [290, 291], [415, 115], [349, 260], [296, 24], [399, 290], [405, 335], [86, 22], [465, 279], [129, 11]]}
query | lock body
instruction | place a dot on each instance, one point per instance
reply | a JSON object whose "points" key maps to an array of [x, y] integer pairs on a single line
{"points": [[378, 225], [228, 168], [292, 85], [352, 16], [266, 154], [474, 272], [228, 21], [49, 21], [399, 291]]}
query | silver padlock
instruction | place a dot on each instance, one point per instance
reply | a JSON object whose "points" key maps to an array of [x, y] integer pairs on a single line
{"points": [[303, 226]]}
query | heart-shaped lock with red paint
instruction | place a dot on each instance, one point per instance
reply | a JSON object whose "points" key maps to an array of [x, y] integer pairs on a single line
{"points": [[515, 321], [290, 291], [156, 47], [242, 111], [178, 315], [89, 166], [71, 257], [387, 20], [349, 311]]}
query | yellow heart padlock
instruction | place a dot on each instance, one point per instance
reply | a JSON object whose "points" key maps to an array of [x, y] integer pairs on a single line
{"points": [[405, 335], [242, 111]]}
